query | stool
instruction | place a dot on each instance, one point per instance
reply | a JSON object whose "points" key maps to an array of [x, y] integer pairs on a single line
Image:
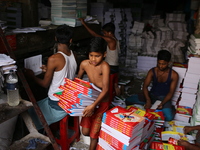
{"points": [[113, 80], [67, 133]]}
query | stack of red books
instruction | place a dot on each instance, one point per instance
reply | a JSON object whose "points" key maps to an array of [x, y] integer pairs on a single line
{"points": [[121, 129], [76, 95]]}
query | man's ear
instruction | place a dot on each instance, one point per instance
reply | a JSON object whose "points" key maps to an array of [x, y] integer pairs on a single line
{"points": [[104, 55], [70, 41]]}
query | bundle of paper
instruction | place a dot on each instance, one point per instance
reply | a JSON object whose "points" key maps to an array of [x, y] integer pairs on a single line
{"points": [[123, 126], [76, 95]]}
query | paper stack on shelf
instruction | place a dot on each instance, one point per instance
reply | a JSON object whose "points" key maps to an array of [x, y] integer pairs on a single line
{"points": [[76, 95], [121, 129], [6, 64]]}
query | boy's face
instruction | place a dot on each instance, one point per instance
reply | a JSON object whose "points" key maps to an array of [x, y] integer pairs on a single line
{"points": [[96, 58], [105, 33], [162, 65]]}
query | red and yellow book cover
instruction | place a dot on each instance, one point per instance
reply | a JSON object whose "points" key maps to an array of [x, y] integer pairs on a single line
{"points": [[123, 120], [159, 116], [184, 110]]}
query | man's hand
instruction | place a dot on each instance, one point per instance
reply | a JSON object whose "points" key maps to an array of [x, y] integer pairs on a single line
{"points": [[88, 111], [183, 143], [160, 106], [44, 68], [147, 105], [187, 129]]}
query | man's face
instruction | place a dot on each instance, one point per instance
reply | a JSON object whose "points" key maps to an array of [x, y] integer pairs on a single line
{"points": [[95, 58], [162, 65]]}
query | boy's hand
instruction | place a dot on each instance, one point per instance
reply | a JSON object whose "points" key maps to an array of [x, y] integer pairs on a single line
{"points": [[82, 20], [88, 111]]}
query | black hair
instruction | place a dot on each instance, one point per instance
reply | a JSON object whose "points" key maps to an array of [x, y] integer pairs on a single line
{"points": [[109, 27], [63, 34], [97, 44], [164, 55]]}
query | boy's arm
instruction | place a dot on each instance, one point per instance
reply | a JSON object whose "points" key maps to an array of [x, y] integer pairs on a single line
{"points": [[45, 82], [147, 82], [171, 90], [88, 111], [88, 29], [81, 70]]}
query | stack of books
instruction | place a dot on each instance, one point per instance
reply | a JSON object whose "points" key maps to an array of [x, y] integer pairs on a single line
{"points": [[121, 129], [194, 47], [181, 72], [159, 122], [81, 8], [67, 11], [149, 125], [76, 95], [189, 91]]}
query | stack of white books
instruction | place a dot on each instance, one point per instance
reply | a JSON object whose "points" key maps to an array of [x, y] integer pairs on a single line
{"points": [[194, 47], [63, 8], [189, 90], [81, 8], [68, 11], [121, 129], [146, 62]]}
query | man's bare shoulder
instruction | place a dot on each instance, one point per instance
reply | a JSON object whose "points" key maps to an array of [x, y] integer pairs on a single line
{"points": [[175, 74]]}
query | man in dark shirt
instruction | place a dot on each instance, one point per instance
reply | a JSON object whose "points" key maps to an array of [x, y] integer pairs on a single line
{"points": [[164, 81]]}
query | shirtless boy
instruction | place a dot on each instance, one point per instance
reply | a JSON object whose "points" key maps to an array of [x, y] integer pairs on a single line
{"points": [[98, 72]]}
